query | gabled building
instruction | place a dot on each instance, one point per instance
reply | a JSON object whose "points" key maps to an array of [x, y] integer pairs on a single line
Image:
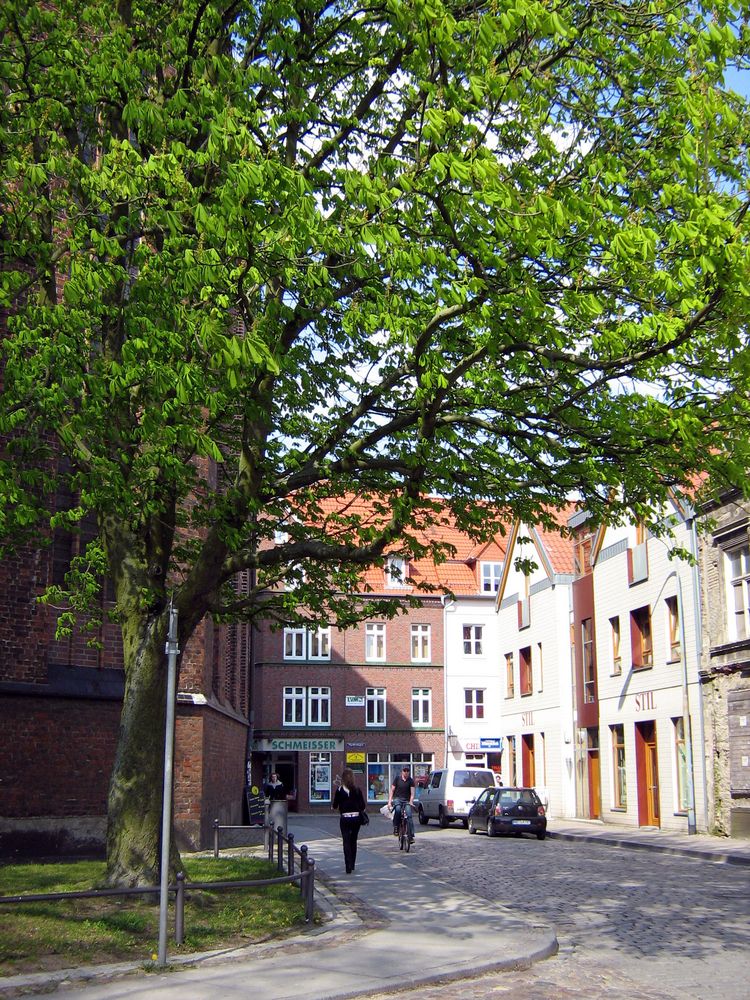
{"points": [[534, 606], [637, 708], [725, 665], [375, 696]]}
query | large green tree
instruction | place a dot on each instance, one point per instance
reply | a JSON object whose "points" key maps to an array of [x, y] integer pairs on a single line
{"points": [[261, 254]]}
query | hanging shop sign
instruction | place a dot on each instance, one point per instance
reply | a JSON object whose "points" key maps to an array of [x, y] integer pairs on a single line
{"points": [[355, 758], [491, 743]]}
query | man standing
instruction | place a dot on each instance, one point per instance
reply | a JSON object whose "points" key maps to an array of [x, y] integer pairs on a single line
{"points": [[402, 797]]}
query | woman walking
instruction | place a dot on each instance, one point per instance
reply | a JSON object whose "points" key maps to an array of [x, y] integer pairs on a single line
{"points": [[351, 804]]}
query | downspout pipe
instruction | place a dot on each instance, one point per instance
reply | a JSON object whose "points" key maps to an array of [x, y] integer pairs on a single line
{"points": [[446, 601]]}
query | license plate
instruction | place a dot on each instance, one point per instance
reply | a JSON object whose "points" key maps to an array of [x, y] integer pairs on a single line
{"points": [[521, 822]]}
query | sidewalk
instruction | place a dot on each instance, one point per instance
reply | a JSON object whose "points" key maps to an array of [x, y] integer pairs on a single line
{"points": [[717, 849], [386, 925]]}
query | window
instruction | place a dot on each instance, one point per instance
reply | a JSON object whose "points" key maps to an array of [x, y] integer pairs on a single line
{"points": [[673, 629], [490, 577], [582, 546], [539, 667], [614, 625], [307, 706], [510, 688], [739, 597], [319, 706], [472, 640], [294, 644], [589, 662], [511, 774], [618, 767], [320, 644], [294, 706], [525, 671], [374, 642], [420, 643], [375, 706], [421, 707], [680, 753], [320, 777], [640, 637], [473, 703], [382, 768], [396, 572]]}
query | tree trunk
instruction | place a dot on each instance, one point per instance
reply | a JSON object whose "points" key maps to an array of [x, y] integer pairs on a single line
{"points": [[135, 792]]}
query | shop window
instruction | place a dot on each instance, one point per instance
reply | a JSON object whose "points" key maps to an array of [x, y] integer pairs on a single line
{"points": [[320, 777], [620, 798]]}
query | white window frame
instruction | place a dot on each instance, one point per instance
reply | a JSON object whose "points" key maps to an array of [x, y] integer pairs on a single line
{"points": [[474, 705], [374, 638], [375, 707], [320, 776], [472, 636], [294, 696], [421, 706], [396, 571], [421, 643], [319, 643], [672, 629], [738, 591], [491, 573], [297, 639], [319, 705]]}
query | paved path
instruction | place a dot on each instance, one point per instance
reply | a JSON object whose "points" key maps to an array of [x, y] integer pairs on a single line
{"points": [[390, 924]]}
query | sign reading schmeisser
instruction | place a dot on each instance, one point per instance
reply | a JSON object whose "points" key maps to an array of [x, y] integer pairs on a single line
{"points": [[298, 744]]}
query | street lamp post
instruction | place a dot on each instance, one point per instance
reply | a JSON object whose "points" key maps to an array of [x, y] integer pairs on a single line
{"points": [[172, 651]]}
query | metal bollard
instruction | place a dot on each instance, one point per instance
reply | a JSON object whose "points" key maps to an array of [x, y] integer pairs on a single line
{"points": [[303, 863], [216, 838], [179, 909], [290, 854], [310, 896], [280, 848]]}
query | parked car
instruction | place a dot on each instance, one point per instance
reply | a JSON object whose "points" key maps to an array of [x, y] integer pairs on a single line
{"points": [[450, 793], [508, 810]]}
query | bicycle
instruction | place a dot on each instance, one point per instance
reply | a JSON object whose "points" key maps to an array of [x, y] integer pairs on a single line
{"points": [[404, 840]]}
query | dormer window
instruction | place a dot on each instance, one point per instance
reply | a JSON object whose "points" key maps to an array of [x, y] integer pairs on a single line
{"points": [[396, 572], [490, 577]]}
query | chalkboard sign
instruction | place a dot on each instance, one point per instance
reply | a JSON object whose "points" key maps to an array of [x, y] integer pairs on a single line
{"points": [[256, 805]]}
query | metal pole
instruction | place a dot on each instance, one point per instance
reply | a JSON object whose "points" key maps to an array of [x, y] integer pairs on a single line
{"points": [[687, 727], [172, 650]]}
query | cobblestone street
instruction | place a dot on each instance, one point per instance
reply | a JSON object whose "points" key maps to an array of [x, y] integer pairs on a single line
{"points": [[631, 924]]}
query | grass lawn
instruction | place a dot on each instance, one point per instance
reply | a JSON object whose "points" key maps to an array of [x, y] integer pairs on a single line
{"points": [[39, 937]]}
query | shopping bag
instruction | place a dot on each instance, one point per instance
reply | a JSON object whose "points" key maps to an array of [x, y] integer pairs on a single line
{"points": [[386, 811]]}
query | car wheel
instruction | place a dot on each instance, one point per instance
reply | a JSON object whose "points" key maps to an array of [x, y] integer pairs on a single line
{"points": [[471, 827], [490, 827], [442, 818], [541, 835], [423, 820]]}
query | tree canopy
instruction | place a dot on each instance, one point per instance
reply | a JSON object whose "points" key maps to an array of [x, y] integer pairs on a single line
{"points": [[257, 255]]}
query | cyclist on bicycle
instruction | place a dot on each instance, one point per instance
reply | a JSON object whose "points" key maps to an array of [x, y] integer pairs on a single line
{"points": [[402, 797]]}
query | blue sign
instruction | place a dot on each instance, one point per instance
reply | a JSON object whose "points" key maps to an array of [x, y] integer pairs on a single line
{"points": [[491, 743]]}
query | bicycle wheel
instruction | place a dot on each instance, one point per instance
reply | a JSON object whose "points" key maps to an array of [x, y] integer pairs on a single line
{"points": [[403, 840], [408, 842]]}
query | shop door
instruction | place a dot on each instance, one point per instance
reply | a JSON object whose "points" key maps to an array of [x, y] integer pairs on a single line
{"points": [[528, 762], [648, 774], [594, 775]]}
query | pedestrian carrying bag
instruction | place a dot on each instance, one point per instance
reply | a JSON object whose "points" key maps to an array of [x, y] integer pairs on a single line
{"points": [[364, 818]]}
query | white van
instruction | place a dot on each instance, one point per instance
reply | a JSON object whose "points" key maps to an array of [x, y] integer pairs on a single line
{"points": [[450, 793]]}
